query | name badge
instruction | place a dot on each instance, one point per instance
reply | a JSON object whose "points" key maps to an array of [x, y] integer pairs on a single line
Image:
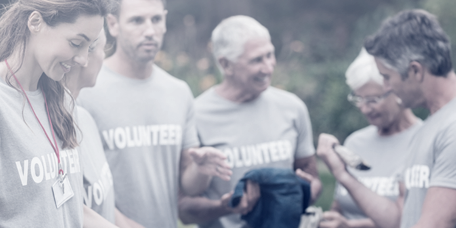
{"points": [[62, 191]]}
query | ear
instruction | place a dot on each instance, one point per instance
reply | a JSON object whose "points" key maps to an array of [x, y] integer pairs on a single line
{"points": [[35, 22], [227, 66], [113, 25], [416, 71]]}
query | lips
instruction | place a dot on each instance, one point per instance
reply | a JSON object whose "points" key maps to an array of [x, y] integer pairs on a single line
{"points": [[148, 45], [66, 68]]}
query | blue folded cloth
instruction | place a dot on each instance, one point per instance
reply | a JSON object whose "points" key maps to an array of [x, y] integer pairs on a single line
{"points": [[284, 197]]}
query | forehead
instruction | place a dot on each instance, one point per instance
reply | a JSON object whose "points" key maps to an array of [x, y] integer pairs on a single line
{"points": [[143, 8], [84, 27], [256, 47], [371, 88], [383, 68]]}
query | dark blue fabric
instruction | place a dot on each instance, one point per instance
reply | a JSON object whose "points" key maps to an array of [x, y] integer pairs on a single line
{"points": [[284, 197]]}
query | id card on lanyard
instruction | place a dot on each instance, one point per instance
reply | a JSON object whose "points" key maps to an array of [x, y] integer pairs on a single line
{"points": [[61, 189]]}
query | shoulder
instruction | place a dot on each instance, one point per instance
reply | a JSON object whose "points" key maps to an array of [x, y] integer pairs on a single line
{"points": [[206, 97], [285, 100], [361, 134], [168, 80], [83, 117]]}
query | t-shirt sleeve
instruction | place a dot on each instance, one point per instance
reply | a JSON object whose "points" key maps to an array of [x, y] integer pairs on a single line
{"points": [[443, 173], [304, 144], [189, 133]]}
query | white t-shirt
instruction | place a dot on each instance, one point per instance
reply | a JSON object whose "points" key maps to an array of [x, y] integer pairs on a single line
{"points": [[271, 131], [431, 162], [29, 168], [98, 185], [144, 126], [386, 155]]}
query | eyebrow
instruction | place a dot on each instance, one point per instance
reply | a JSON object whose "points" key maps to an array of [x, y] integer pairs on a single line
{"points": [[84, 36]]}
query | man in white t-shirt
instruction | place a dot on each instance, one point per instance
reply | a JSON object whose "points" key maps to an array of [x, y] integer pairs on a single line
{"points": [[146, 122], [254, 124], [413, 54]]}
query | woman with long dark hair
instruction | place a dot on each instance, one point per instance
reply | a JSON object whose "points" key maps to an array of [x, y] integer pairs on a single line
{"points": [[41, 176]]}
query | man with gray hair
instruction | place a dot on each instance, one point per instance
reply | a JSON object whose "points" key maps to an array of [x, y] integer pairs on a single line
{"points": [[254, 124], [413, 54], [146, 121]]}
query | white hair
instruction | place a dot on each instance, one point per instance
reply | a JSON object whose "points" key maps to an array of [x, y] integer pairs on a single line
{"points": [[229, 37], [362, 70]]}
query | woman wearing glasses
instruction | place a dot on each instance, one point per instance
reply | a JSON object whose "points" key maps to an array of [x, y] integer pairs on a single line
{"points": [[382, 144]]}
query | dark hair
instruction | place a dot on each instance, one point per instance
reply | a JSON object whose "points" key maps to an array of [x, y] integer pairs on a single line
{"points": [[412, 35], [115, 9], [13, 37]]}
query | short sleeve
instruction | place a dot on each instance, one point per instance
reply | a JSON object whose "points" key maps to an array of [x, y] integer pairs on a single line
{"points": [[304, 144], [443, 173], [189, 133]]}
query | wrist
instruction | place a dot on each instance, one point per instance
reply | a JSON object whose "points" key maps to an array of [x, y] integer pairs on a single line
{"points": [[343, 177]]}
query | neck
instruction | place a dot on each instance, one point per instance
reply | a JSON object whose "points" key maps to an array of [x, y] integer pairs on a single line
{"points": [[74, 88], [235, 93], [128, 67], [439, 91], [26, 70], [405, 120]]}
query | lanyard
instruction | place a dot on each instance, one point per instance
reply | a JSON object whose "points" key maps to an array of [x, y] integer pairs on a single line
{"points": [[54, 146]]}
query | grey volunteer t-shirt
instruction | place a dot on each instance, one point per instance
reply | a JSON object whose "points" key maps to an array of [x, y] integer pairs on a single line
{"points": [[270, 131], [28, 166], [386, 155], [144, 125], [98, 190], [432, 161]]}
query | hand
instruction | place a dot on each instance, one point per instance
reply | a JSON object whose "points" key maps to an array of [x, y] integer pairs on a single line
{"points": [[211, 162], [326, 152], [248, 200], [312, 180], [333, 219]]}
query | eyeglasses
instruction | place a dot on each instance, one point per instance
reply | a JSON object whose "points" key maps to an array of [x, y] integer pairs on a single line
{"points": [[371, 100]]}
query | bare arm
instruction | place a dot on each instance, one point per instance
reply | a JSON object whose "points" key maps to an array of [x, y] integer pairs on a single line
{"points": [[124, 222], [438, 209], [198, 166], [335, 219], [93, 220], [382, 211], [309, 166]]}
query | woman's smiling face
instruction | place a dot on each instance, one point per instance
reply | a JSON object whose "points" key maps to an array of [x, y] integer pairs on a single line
{"points": [[57, 49]]}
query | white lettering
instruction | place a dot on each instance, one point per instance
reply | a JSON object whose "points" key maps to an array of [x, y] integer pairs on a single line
{"points": [[37, 177], [23, 175], [109, 138]]}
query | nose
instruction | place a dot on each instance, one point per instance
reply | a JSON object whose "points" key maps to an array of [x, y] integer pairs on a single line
{"points": [[150, 29], [364, 108], [268, 65], [81, 58]]}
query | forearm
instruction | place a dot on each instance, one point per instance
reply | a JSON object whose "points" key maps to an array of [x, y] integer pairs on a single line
{"points": [[124, 222], [361, 223], [200, 210], [93, 220], [382, 211], [193, 182], [309, 165]]}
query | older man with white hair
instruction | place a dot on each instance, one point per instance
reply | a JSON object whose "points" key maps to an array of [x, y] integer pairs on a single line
{"points": [[254, 124]]}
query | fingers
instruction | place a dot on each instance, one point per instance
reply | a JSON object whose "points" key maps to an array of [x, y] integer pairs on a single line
{"points": [[249, 199], [331, 219], [225, 199], [253, 194], [326, 143], [303, 175]]}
